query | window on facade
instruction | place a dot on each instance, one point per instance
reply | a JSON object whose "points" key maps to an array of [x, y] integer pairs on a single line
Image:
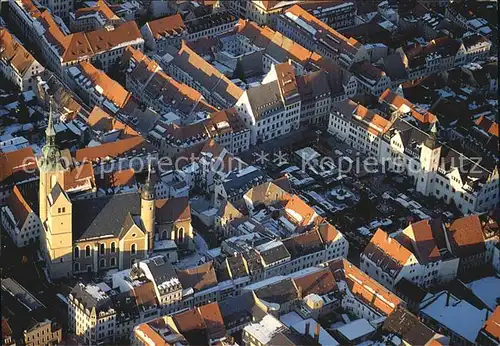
{"points": [[113, 262], [133, 249], [77, 267], [87, 251], [102, 263], [102, 248], [113, 247], [76, 253]]}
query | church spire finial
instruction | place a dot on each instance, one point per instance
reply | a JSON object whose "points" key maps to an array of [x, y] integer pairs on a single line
{"points": [[50, 132], [148, 192]]}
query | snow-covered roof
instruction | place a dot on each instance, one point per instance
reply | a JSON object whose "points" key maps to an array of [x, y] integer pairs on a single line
{"points": [[487, 289], [356, 329], [457, 315], [266, 329]]}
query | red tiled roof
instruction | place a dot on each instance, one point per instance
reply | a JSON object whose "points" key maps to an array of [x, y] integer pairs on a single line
{"points": [[79, 176], [198, 278], [321, 282], [172, 209], [387, 253], [113, 149], [299, 207], [99, 120], [397, 102], [112, 90], [149, 336], [487, 125], [213, 319], [18, 206], [492, 324], [13, 52], [425, 245], [15, 161], [364, 287], [100, 7], [466, 236], [166, 26]]}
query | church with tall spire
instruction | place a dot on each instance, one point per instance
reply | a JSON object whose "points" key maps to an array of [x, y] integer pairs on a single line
{"points": [[92, 235]]}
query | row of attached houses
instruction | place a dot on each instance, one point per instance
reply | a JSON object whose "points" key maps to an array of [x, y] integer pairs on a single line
{"points": [[171, 30], [16, 63], [429, 252], [61, 49], [398, 143]]}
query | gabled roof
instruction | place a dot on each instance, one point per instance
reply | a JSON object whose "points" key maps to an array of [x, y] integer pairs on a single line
{"points": [[192, 325], [213, 319], [100, 8], [167, 26], [302, 213], [100, 120], [487, 125], [111, 89], [198, 278], [327, 231], [280, 292], [466, 236], [112, 150], [320, 282], [408, 327], [304, 244], [15, 161], [387, 253], [492, 325], [365, 288], [14, 53], [425, 246], [103, 216], [400, 103], [172, 210], [207, 75], [18, 206], [82, 45]]}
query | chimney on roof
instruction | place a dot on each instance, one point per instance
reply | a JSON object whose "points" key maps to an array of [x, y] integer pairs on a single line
{"points": [[308, 325], [316, 332], [447, 298]]}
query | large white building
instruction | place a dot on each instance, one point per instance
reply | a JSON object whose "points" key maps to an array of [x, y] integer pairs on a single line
{"points": [[313, 34], [16, 63], [436, 169], [60, 48], [272, 109]]}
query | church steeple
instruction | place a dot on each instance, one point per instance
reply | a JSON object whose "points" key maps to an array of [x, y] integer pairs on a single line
{"points": [[148, 207], [148, 191], [431, 140], [51, 160]]}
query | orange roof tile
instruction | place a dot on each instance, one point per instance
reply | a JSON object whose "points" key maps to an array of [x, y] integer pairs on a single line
{"points": [[172, 209], [213, 320], [487, 125], [81, 176], [327, 231], [99, 120], [321, 282], [15, 161], [13, 53], [30, 8], [466, 236], [100, 7], [113, 149], [425, 245], [149, 336], [112, 90], [114, 179], [198, 278], [189, 320], [18, 206], [492, 324], [166, 26], [364, 287], [387, 253], [397, 102], [296, 207]]}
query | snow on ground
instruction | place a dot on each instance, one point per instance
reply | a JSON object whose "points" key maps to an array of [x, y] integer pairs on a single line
{"points": [[195, 259], [487, 289]]}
